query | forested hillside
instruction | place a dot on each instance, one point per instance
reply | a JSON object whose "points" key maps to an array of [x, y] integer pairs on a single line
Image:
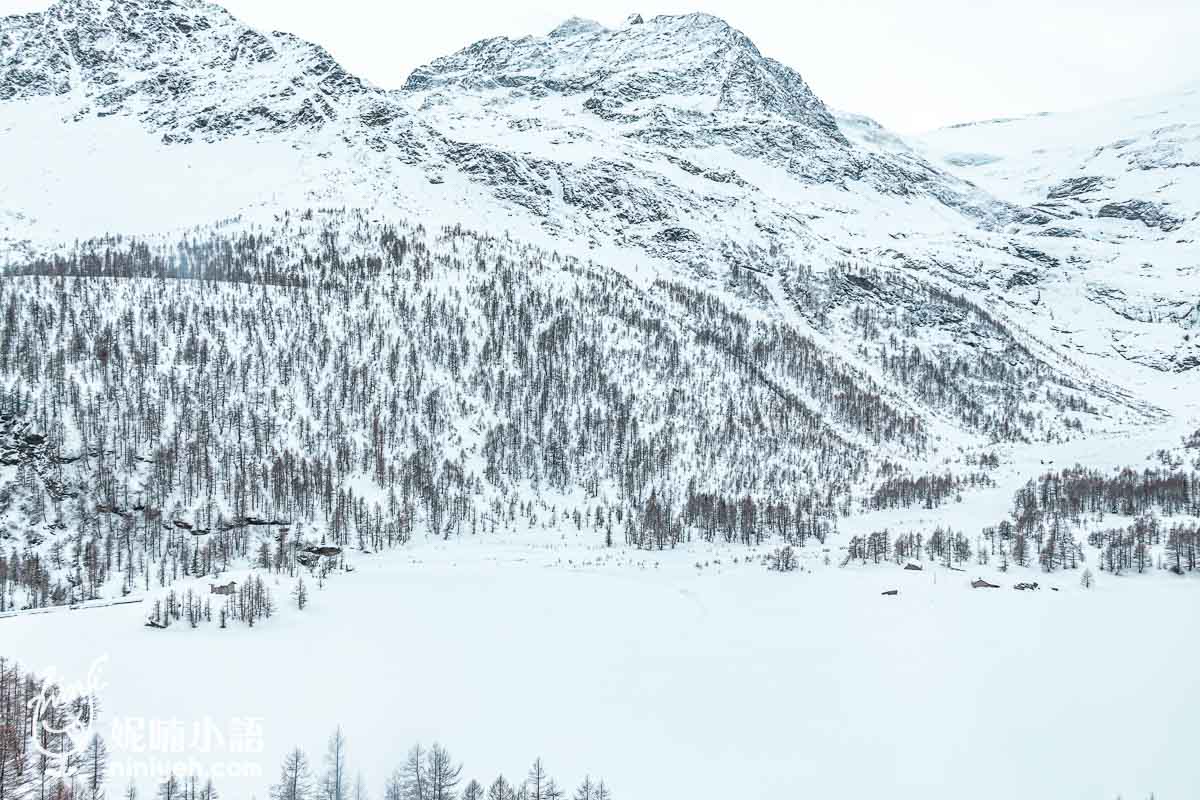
{"points": [[354, 382]]}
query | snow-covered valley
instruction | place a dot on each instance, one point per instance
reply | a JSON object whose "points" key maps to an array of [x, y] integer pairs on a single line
{"points": [[642, 667], [596, 385]]}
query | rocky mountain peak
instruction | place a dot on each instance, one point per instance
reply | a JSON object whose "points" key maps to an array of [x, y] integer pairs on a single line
{"points": [[576, 26], [186, 67], [690, 62]]}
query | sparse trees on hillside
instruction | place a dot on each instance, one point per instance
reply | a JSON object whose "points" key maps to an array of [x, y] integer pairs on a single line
{"points": [[172, 408]]}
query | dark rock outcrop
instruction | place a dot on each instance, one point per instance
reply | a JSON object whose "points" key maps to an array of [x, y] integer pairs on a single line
{"points": [[1074, 187], [1149, 213]]}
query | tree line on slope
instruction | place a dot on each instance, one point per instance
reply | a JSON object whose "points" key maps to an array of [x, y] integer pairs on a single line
{"points": [[1079, 490], [366, 382], [946, 351], [1047, 514], [408, 383], [1048, 509], [928, 491], [424, 774], [1132, 547]]}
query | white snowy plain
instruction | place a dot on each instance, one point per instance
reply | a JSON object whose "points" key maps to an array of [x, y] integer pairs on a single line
{"points": [[676, 681]]}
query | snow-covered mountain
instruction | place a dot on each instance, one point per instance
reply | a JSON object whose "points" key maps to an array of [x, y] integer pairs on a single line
{"points": [[672, 139], [833, 261], [637, 136], [1115, 196]]}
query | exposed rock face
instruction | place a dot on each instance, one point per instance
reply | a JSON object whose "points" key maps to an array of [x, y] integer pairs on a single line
{"points": [[185, 67], [694, 64], [662, 86], [970, 159], [576, 26], [311, 555], [1150, 214], [25, 448], [17, 446], [1074, 187]]}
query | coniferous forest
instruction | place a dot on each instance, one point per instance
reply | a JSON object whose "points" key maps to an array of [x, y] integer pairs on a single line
{"points": [[169, 409]]}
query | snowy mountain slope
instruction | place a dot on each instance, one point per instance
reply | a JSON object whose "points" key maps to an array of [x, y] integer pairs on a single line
{"points": [[186, 69], [173, 112], [672, 141], [703, 174], [506, 370], [1142, 145], [658, 129], [1116, 191]]}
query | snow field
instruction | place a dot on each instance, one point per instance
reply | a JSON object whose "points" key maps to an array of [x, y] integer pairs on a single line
{"points": [[673, 681]]}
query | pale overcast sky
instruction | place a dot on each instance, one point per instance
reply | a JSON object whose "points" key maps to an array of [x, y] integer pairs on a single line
{"points": [[911, 64]]}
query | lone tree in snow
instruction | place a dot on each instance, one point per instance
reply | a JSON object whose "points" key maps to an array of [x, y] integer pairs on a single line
{"points": [[295, 778], [537, 781], [170, 789], [500, 789], [96, 765], [300, 593], [443, 774], [586, 790], [334, 785]]}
